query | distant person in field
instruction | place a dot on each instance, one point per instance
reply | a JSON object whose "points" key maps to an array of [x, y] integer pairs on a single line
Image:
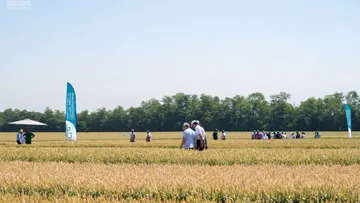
{"points": [[303, 136], [317, 135], [200, 135], [272, 135], [215, 134], [292, 136], [265, 136], [298, 135], [253, 135], [148, 136], [28, 136], [188, 139], [284, 136], [132, 135], [279, 135], [223, 135], [20, 137], [258, 135], [204, 133]]}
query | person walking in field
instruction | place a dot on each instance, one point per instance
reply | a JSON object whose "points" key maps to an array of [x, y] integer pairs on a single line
{"points": [[223, 135], [28, 136], [148, 136], [298, 135], [200, 134], [188, 138], [317, 135], [132, 135], [20, 137]]}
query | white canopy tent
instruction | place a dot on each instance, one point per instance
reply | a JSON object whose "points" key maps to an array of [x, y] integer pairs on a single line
{"points": [[27, 122]]}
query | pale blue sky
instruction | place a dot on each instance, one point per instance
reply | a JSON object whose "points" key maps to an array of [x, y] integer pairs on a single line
{"points": [[119, 52]]}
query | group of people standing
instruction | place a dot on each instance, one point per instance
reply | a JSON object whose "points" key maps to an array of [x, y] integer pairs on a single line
{"points": [[194, 136], [216, 132], [257, 135], [26, 138], [133, 136]]}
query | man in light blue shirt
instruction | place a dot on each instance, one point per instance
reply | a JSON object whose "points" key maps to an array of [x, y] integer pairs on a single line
{"points": [[189, 138], [20, 137]]}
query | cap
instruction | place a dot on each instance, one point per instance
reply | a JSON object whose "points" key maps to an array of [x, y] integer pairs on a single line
{"points": [[186, 125]]}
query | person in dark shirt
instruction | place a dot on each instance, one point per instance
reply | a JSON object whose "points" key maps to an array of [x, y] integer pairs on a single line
{"points": [[215, 134], [28, 136], [297, 135]]}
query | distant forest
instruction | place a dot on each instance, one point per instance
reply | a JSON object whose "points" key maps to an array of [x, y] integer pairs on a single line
{"points": [[239, 113]]}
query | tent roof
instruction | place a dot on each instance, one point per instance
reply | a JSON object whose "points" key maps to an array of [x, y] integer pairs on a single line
{"points": [[27, 122]]}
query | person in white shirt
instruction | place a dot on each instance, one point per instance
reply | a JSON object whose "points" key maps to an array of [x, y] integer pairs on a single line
{"points": [[188, 138], [148, 136], [272, 135], [292, 136], [284, 136], [132, 135], [223, 135], [200, 134], [265, 137], [303, 136]]}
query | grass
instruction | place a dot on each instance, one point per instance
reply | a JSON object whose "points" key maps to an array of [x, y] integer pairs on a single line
{"points": [[106, 167]]}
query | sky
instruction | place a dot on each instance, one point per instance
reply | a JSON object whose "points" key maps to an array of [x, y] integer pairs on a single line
{"points": [[122, 52]]}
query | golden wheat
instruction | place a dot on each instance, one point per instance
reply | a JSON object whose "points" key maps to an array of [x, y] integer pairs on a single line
{"points": [[178, 181], [106, 167]]}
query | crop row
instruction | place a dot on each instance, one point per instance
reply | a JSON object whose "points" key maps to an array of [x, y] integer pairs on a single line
{"points": [[227, 144], [214, 157]]}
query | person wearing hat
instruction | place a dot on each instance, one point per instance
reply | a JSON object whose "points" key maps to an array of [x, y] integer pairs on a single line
{"points": [[188, 138], [223, 135], [28, 136], [148, 136], [200, 134], [20, 137], [132, 135]]}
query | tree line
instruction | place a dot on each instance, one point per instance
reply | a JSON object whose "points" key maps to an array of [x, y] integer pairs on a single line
{"points": [[239, 113]]}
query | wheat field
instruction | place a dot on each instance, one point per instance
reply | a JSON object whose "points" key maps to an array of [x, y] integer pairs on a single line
{"points": [[106, 167]]}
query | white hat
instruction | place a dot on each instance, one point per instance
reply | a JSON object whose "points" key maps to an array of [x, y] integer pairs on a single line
{"points": [[186, 124], [195, 121]]}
